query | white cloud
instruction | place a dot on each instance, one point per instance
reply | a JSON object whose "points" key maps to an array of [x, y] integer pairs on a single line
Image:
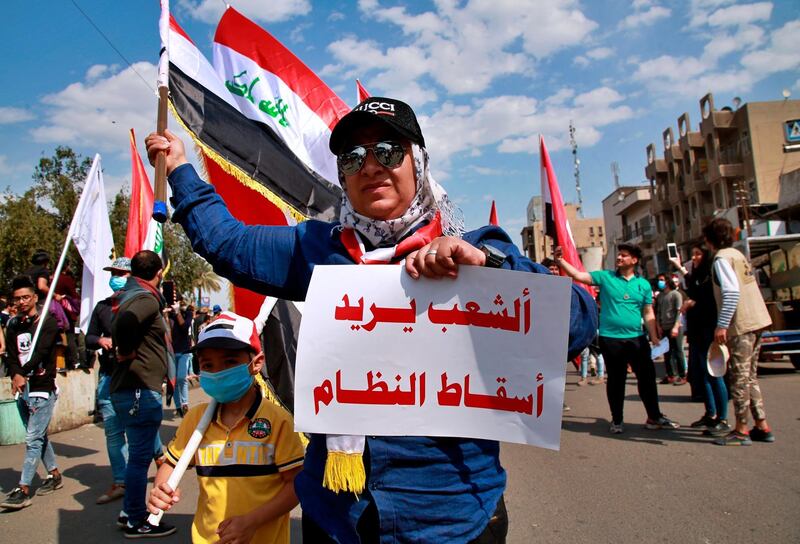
{"points": [[296, 35], [599, 53], [210, 11], [14, 115], [741, 14], [700, 10], [645, 18], [689, 76], [511, 123], [8, 169], [463, 49], [99, 112], [336, 16]]}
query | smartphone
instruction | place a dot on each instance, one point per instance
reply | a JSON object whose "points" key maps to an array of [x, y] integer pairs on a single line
{"points": [[672, 251], [168, 290]]}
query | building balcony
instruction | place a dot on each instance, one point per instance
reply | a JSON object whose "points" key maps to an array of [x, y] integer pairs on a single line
{"points": [[691, 140], [656, 169], [676, 195], [660, 205], [729, 170], [714, 120], [637, 235]]}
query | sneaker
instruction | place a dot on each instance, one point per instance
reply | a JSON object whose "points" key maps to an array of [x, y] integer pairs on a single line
{"points": [[667, 379], [145, 530], [734, 439], [52, 483], [598, 381], [661, 423], [720, 429], [679, 381], [16, 500], [122, 519], [705, 421], [566, 408], [760, 435], [583, 381], [616, 428], [184, 410], [116, 491]]}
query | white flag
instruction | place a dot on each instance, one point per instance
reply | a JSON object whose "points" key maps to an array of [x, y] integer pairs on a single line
{"points": [[91, 233]]}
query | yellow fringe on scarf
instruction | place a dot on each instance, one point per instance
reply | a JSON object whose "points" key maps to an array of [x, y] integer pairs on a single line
{"points": [[237, 172], [267, 393], [344, 472]]}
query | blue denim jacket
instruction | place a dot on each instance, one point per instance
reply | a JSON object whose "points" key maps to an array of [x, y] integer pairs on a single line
{"points": [[425, 489]]}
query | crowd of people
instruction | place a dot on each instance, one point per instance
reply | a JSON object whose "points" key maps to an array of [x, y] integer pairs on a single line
{"points": [[251, 467]]}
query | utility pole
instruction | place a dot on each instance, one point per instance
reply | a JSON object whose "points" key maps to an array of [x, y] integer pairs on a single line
{"points": [[577, 163], [742, 196], [615, 172]]}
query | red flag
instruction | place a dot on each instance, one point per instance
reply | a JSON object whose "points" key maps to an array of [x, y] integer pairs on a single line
{"points": [[493, 216], [141, 206], [363, 94], [556, 225]]}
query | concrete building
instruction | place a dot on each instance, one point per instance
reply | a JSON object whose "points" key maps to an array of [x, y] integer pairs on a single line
{"points": [[730, 165], [588, 233], [627, 217]]}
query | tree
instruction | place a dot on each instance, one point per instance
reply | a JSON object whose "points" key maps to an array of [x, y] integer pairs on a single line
{"points": [[118, 217], [208, 281], [24, 227], [185, 265], [58, 182]]}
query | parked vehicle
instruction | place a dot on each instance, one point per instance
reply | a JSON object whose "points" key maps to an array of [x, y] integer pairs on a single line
{"points": [[776, 263]]}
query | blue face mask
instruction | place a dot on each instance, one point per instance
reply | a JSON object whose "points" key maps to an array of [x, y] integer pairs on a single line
{"points": [[117, 282], [227, 385], [662, 284]]}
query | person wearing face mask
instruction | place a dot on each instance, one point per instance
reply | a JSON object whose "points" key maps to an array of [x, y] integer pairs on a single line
{"points": [[98, 337], [393, 489], [249, 455], [139, 335]]}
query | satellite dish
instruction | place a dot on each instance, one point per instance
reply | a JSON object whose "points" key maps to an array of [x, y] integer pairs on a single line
{"points": [[737, 102], [786, 93]]}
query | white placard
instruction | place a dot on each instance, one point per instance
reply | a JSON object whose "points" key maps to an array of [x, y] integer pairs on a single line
{"points": [[483, 356], [660, 349]]}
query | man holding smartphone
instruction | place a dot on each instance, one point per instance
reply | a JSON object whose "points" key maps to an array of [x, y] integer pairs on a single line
{"points": [[626, 298]]}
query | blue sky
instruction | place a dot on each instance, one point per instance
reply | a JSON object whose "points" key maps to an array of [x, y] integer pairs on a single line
{"points": [[485, 77]]}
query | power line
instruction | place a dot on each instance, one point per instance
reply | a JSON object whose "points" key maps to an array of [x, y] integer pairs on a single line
{"points": [[106, 38]]}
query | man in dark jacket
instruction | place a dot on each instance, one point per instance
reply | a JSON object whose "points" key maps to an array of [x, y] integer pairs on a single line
{"points": [[98, 337], [33, 377], [139, 335]]}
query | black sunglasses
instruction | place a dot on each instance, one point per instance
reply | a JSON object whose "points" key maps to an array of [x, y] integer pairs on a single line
{"points": [[388, 154]]}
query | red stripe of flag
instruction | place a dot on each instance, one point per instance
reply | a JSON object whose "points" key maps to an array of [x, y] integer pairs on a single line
{"points": [[141, 206], [244, 36], [555, 220]]}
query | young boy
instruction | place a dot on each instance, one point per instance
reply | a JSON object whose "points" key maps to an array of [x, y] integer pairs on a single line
{"points": [[33, 376], [249, 455]]}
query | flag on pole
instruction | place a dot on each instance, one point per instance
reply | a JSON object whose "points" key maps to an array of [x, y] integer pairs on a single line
{"points": [[143, 231], [361, 93], [91, 233], [140, 212], [261, 120], [493, 215], [556, 225]]}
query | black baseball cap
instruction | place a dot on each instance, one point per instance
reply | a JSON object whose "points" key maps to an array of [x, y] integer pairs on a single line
{"points": [[396, 114]]}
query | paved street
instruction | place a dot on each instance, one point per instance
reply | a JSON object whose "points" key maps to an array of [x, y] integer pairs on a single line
{"points": [[642, 486]]}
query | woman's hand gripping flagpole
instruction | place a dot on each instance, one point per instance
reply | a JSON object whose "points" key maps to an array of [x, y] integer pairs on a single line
{"points": [[187, 455]]}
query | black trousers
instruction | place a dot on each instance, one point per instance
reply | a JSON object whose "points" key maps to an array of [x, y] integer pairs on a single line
{"points": [[369, 528], [618, 354]]}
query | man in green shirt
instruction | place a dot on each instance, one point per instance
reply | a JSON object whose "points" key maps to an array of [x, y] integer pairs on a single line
{"points": [[625, 299]]}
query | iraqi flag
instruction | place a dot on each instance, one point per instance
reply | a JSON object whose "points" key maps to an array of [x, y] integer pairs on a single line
{"points": [[556, 225], [261, 120]]}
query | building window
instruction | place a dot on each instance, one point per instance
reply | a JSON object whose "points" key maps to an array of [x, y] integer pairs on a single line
{"points": [[599, 231], [591, 231]]}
